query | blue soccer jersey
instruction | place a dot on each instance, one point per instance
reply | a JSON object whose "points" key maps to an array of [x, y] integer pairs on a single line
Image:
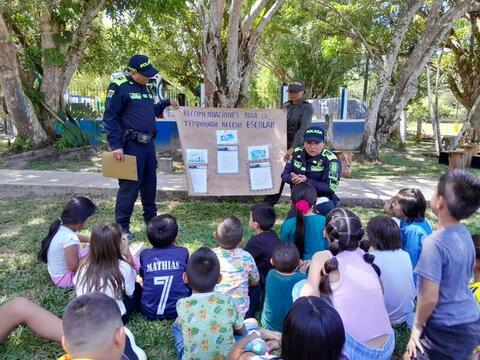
{"points": [[162, 270]]}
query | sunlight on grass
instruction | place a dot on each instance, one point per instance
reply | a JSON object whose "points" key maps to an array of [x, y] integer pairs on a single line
{"points": [[21, 274]]}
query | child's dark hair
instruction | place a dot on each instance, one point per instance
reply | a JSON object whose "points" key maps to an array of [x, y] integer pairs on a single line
{"points": [[264, 215], [461, 191], [344, 230], [304, 197], [285, 257], [162, 230], [203, 270], [384, 233], [101, 265], [412, 202], [312, 329], [89, 321], [76, 211], [229, 232], [476, 243]]}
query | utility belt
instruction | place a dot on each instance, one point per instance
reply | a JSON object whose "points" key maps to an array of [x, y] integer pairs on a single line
{"points": [[138, 136]]}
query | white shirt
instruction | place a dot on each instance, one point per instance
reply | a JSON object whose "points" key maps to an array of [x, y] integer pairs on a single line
{"points": [[56, 263], [397, 279], [129, 275]]}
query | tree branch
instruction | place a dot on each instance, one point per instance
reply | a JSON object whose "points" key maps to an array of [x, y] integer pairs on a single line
{"points": [[252, 15], [357, 32]]}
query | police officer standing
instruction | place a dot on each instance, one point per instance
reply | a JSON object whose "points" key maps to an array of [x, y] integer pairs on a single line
{"points": [[129, 121], [299, 118], [316, 165]]}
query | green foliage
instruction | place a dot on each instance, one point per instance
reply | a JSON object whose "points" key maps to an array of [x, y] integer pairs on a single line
{"points": [[72, 136], [21, 144]]}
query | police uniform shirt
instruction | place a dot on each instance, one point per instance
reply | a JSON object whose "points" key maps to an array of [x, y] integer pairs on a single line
{"points": [[299, 118], [162, 272], [322, 171], [129, 105]]}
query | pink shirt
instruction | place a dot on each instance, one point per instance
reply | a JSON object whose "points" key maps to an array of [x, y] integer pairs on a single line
{"points": [[358, 298]]}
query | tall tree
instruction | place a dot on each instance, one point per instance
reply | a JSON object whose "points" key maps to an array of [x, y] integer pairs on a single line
{"points": [[463, 72], [230, 38], [392, 94], [299, 43], [46, 39]]}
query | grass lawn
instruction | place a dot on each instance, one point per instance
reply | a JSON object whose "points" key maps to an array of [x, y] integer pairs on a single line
{"points": [[417, 160], [25, 222]]}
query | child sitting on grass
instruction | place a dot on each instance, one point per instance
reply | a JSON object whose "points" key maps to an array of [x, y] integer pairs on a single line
{"points": [[305, 230], [260, 246], [162, 269], [447, 324], [237, 266], [409, 206], [395, 268], [280, 282], [207, 320], [60, 249], [106, 269], [93, 329]]}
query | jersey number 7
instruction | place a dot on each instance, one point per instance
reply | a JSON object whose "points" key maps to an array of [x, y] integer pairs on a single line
{"points": [[166, 281]]}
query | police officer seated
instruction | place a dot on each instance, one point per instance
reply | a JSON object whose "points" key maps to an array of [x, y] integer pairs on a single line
{"points": [[314, 164]]}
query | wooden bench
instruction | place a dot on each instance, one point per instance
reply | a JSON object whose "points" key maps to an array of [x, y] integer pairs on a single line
{"points": [[345, 158], [456, 159], [470, 150]]}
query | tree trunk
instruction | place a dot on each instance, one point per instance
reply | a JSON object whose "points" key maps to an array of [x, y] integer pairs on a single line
{"points": [[371, 145], [19, 106], [396, 97], [433, 110], [418, 135], [228, 60]]}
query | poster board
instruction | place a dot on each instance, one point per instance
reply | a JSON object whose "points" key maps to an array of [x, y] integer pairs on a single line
{"points": [[231, 152]]}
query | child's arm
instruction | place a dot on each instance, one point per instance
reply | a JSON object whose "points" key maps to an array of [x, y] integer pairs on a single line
{"points": [[238, 351], [71, 257], [315, 273], [427, 301], [241, 331], [40, 321], [83, 238]]}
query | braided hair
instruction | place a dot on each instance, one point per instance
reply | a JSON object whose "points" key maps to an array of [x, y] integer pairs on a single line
{"points": [[344, 229]]}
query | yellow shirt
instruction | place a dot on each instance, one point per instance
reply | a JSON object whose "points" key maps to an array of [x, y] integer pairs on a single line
{"points": [[475, 287]]}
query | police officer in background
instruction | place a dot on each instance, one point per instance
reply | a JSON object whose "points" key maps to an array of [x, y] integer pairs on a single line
{"points": [[299, 118], [129, 121], [316, 165]]}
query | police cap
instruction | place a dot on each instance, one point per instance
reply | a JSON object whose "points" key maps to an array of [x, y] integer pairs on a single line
{"points": [[296, 85], [314, 133], [141, 64]]}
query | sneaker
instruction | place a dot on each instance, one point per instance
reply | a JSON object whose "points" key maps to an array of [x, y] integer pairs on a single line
{"points": [[128, 236], [132, 351]]}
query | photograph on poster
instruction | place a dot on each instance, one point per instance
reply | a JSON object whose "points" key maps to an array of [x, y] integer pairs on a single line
{"points": [[227, 137], [258, 152], [197, 156]]}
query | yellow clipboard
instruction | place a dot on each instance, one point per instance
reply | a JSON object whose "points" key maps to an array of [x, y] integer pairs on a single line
{"points": [[125, 169]]}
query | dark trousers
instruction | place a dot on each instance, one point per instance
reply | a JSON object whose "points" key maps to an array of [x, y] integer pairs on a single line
{"points": [[273, 199], [449, 342], [255, 293], [131, 303], [146, 185]]}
